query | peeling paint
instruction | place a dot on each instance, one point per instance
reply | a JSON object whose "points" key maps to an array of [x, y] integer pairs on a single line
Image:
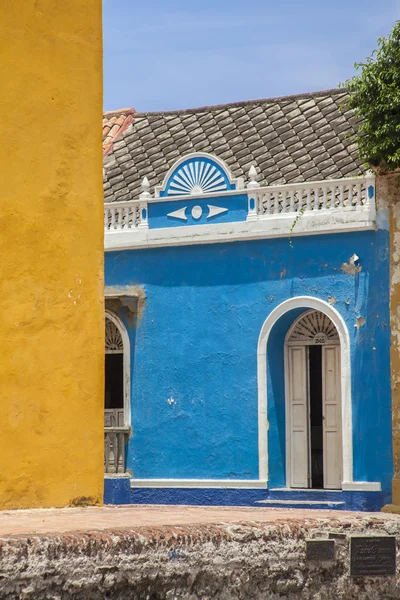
{"points": [[132, 297], [382, 219], [331, 300], [388, 197], [351, 268], [360, 322]]}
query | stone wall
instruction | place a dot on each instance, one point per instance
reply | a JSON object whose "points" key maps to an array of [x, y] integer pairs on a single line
{"points": [[196, 562]]}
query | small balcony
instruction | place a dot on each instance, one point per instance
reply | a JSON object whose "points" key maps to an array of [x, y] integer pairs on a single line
{"points": [[116, 436]]}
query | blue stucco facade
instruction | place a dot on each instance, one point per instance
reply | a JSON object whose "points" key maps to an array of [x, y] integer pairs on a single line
{"points": [[194, 395]]}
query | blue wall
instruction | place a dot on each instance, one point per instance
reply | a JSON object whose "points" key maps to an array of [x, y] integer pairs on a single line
{"points": [[194, 384]]}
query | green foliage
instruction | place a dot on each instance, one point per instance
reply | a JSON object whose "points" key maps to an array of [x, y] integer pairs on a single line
{"points": [[375, 97]]}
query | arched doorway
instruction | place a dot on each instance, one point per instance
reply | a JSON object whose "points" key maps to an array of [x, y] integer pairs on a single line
{"points": [[313, 403]]}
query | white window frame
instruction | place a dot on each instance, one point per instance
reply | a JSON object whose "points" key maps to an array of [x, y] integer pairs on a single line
{"points": [[288, 433], [126, 364]]}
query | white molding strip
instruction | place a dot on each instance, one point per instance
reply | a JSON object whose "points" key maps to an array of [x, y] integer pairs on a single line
{"points": [[353, 486], [325, 222], [199, 483], [361, 486]]}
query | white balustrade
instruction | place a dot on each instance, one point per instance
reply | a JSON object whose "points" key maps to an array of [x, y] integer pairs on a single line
{"points": [[338, 197], [121, 215], [115, 439], [347, 194]]}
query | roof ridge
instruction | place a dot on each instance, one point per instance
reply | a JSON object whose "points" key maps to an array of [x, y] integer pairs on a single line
{"points": [[332, 91], [120, 111]]}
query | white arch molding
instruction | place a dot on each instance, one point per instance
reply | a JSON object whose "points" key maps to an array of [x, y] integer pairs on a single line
{"points": [[309, 302], [126, 363], [238, 182]]}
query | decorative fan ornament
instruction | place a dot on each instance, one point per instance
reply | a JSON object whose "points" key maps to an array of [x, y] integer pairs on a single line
{"points": [[114, 343], [314, 327], [197, 177]]}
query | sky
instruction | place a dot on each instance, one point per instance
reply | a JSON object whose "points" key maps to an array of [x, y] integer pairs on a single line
{"points": [[170, 54]]}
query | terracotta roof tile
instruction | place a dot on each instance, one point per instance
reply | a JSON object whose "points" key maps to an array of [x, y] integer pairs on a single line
{"points": [[288, 139], [114, 125]]}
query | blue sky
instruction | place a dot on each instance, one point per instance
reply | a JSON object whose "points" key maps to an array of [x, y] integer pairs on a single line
{"points": [[170, 54]]}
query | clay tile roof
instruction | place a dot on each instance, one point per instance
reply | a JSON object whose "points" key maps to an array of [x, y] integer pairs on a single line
{"points": [[289, 139], [114, 125]]}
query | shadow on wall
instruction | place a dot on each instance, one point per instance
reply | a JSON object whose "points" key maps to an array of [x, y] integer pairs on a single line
{"points": [[237, 263]]}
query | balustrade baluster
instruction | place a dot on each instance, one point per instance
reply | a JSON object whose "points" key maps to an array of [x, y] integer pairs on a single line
{"points": [[112, 211], [106, 453], [300, 200], [332, 197], [324, 197], [359, 195], [120, 453], [284, 201], [308, 202], [268, 206], [315, 204], [119, 220], [341, 195], [276, 203], [291, 201]]}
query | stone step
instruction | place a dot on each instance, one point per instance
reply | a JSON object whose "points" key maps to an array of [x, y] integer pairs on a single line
{"points": [[307, 494], [315, 504]]}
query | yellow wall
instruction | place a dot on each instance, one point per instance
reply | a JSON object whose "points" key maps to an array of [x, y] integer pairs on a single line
{"points": [[51, 253]]}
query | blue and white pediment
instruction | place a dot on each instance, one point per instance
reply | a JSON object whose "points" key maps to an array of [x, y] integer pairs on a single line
{"points": [[196, 175], [198, 190]]}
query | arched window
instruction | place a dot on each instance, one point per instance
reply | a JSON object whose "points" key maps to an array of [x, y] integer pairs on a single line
{"points": [[117, 373], [314, 327]]}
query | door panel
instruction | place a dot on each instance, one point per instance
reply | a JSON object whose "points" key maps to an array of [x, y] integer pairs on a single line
{"points": [[331, 399], [298, 406]]}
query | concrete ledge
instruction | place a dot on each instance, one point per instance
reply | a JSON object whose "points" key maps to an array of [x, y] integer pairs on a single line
{"points": [[121, 490], [221, 554]]}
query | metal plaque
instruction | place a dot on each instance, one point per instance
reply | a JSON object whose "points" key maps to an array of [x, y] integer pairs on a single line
{"points": [[372, 556], [320, 550]]}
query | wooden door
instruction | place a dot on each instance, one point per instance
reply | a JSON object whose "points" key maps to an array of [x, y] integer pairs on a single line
{"points": [[299, 421], [331, 410]]}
